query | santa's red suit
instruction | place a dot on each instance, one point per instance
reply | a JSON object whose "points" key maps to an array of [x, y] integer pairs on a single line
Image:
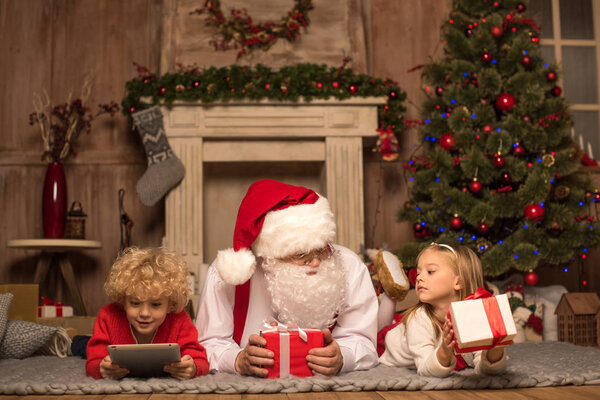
{"points": [[355, 330]]}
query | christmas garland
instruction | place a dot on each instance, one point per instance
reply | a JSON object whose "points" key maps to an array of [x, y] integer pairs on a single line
{"points": [[306, 81], [248, 36]]}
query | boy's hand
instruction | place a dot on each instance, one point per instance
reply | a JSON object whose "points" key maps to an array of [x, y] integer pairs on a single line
{"points": [[445, 351], [327, 360], [109, 370], [184, 369]]}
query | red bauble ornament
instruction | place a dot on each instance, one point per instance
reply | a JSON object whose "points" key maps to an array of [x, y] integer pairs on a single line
{"points": [[439, 90], [519, 150], [505, 102], [475, 187], [535, 39], [335, 84], [521, 7], [486, 57], [468, 32], [526, 118], [556, 91], [531, 278], [483, 228], [393, 94], [487, 128], [505, 178], [447, 141], [320, 85], [162, 90], [132, 109], [526, 61], [497, 31], [534, 211], [267, 86], [551, 76], [412, 276], [498, 160], [352, 88], [456, 222]]}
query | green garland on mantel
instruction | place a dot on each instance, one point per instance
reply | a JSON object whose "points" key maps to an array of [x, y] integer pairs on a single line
{"points": [[291, 83]]}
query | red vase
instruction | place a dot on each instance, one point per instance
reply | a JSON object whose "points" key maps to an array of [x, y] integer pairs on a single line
{"points": [[54, 201]]}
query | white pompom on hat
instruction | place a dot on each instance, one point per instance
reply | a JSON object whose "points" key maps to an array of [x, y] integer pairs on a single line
{"points": [[275, 220]]}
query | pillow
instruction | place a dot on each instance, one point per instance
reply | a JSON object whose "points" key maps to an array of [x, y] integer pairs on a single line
{"points": [[5, 300], [548, 296], [23, 338]]}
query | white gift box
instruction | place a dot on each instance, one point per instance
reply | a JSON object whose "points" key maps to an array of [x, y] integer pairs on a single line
{"points": [[51, 311], [482, 323]]}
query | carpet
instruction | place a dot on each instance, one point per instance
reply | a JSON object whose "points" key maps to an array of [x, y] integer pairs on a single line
{"points": [[530, 364]]}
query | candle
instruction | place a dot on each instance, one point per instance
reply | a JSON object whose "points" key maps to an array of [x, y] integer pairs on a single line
{"points": [[589, 146], [573, 133], [580, 142]]}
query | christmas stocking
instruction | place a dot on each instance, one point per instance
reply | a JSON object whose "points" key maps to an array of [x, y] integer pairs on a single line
{"points": [[164, 169]]}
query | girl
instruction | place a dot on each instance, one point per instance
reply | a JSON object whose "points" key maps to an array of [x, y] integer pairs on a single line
{"points": [[424, 338], [150, 290]]}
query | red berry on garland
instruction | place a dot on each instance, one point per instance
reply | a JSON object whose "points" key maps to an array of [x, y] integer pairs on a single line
{"points": [[456, 222], [505, 102], [497, 31], [556, 91], [468, 32], [132, 109], [439, 90], [551, 76], [147, 80], [535, 39], [268, 86], [534, 212], [475, 186], [447, 141], [393, 94], [162, 90], [486, 57], [531, 278], [498, 160], [521, 7], [487, 128], [519, 150], [527, 61], [483, 228], [526, 118], [505, 178], [335, 84]]}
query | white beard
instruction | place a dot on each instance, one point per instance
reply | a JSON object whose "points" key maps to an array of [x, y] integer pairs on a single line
{"points": [[310, 301]]}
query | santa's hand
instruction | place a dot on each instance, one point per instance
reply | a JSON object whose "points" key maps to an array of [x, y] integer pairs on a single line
{"points": [[184, 369], [327, 360], [110, 370], [253, 356]]}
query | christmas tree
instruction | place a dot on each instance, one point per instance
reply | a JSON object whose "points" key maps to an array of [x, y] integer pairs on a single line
{"points": [[496, 168]]}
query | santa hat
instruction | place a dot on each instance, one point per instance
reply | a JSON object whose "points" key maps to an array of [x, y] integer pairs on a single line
{"points": [[275, 220]]}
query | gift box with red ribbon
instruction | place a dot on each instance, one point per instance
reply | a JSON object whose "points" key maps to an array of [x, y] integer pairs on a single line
{"points": [[52, 309], [290, 346], [482, 321]]}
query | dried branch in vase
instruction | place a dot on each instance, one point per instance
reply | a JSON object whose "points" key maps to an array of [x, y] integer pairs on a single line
{"points": [[60, 125]]}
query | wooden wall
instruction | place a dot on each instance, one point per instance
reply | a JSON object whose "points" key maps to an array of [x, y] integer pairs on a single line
{"points": [[52, 44]]}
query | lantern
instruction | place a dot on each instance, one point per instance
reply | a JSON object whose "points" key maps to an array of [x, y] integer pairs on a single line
{"points": [[75, 222]]}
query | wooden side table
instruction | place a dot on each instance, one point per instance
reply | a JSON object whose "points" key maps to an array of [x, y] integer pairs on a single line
{"points": [[57, 250]]}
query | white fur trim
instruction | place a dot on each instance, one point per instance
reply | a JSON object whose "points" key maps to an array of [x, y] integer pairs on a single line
{"points": [[236, 267], [296, 229]]}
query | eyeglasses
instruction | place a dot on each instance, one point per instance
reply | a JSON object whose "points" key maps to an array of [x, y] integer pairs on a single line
{"points": [[306, 258]]}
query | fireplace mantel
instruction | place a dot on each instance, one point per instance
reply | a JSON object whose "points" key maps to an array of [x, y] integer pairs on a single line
{"points": [[326, 131]]}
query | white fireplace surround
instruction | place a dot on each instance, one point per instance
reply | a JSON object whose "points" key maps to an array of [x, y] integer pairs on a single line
{"points": [[326, 131]]}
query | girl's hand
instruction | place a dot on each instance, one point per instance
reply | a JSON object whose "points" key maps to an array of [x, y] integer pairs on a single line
{"points": [[446, 350], [184, 369], [109, 370], [495, 354]]}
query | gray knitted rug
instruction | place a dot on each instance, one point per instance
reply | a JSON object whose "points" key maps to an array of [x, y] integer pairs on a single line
{"points": [[530, 364]]}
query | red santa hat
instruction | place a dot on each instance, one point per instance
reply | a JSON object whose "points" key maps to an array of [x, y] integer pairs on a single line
{"points": [[275, 220]]}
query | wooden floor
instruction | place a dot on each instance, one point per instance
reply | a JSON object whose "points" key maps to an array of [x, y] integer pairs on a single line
{"points": [[550, 393]]}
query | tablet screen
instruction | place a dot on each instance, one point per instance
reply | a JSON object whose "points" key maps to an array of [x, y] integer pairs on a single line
{"points": [[144, 360]]}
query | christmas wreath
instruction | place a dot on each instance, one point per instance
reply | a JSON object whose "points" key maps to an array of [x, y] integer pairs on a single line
{"points": [[306, 81], [245, 34]]}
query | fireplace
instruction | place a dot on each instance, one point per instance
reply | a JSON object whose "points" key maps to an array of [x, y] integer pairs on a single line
{"points": [[227, 146]]}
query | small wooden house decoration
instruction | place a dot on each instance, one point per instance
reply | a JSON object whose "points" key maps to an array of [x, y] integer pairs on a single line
{"points": [[579, 318]]}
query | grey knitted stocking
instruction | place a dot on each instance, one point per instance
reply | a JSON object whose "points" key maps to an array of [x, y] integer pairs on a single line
{"points": [[164, 169]]}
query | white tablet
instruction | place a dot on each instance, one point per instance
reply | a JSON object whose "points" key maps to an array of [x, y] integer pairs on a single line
{"points": [[144, 360]]}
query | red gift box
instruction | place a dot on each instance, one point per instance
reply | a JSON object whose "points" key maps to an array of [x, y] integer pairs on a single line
{"points": [[291, 346]]}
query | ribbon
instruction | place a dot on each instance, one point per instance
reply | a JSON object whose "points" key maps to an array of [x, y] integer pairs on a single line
{"points": [[272, 325], [494, 317]]}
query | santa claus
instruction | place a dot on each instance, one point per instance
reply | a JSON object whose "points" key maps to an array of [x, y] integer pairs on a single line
{"points": [[283, 265]]}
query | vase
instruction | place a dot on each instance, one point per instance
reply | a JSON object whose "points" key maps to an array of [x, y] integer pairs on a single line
{"points": [[54, 201]]}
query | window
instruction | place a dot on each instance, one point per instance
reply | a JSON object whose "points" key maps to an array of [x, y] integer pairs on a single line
{"points": [[571, 36]]}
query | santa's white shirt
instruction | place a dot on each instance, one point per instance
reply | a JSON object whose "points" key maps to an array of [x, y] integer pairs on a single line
{"points": [[355, 330]]}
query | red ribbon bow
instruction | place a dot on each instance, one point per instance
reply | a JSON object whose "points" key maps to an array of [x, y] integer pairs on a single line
{"points": [[58, 305]]}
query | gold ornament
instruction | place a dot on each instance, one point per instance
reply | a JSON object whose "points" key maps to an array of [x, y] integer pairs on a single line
{"points": [[562, 192], [483, 245], [548, 160], [179, 88]]}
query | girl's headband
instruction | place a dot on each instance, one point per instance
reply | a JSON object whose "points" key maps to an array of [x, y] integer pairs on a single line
{"points": [[445, 246]]}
